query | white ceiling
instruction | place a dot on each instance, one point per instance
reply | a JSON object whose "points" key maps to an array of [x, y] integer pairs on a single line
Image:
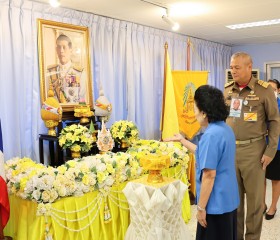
{"points": [[209, 25]]}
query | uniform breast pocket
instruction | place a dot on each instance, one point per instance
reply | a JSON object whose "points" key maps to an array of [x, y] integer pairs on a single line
{"points": [[252, 106]]}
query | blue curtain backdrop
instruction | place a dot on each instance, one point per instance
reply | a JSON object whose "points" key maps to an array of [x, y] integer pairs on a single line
{"points": [[127, 59]]}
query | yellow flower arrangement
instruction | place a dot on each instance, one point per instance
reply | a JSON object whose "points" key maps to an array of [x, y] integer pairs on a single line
{"points": [[124, 130], [76, 137], [177, 153]]}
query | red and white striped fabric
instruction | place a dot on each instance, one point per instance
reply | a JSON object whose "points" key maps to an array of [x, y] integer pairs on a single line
{"points": [[4, 199]]}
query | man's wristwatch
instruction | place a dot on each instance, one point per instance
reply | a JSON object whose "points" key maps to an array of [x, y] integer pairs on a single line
{"points": [[200, 208]]}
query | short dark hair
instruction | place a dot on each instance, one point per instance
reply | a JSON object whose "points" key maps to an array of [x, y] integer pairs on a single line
{"points": [[211, 101], [63, 37], [275, 81]]}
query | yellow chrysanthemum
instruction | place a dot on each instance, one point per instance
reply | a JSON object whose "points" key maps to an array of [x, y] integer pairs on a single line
{"points": [[101, 177], [72, 163], [85, 180], [76, 148], [110, 168], [61, 169]]}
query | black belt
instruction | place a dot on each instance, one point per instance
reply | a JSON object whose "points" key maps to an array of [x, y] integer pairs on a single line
{"points": [[238, 142]]}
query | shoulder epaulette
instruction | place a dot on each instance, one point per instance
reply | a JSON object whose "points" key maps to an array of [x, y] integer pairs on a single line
{"points": [[263, 83], [229, 84], [78, 68], [52, 66]]}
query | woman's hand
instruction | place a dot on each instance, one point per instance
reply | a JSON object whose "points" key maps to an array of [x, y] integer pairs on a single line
{"points": [[201, 218], [176, 138]]}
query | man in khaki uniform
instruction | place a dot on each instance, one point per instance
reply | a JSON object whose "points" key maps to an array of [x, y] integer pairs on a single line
{"points": [[258, 117]]}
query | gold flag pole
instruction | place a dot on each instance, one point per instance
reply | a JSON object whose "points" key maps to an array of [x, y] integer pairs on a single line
{"points": [[188, 54], [164, 89]]}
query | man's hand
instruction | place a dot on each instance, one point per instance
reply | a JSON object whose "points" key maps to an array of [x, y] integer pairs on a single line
{"points": [[265, 161]]}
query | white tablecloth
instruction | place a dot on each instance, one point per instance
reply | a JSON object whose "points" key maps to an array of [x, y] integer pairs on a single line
{"points": [[155, 211]]}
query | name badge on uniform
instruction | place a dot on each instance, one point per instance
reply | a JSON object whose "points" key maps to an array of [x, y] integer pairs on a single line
{"points": [[250, 116], [252, 98], [235, 107]]}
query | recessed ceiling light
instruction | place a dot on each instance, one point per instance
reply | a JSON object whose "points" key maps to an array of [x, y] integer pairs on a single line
{"points": [[188, 9], [254, 24]]}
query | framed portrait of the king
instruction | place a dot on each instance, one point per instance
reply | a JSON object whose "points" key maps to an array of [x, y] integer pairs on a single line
{"points": [[64, 61]]}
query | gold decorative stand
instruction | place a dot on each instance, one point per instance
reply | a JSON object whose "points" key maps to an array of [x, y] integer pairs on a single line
{"points": [[154, 163], [83, 111]]}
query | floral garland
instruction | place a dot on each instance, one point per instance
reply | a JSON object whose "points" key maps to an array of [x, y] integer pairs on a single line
{"points": [[76, 137], [124, 130], [30, 180]]}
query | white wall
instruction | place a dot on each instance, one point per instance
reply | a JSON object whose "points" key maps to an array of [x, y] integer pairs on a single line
{"points": [[260, 53]]}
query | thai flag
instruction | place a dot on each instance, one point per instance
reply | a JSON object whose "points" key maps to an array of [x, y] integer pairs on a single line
{"points": [[4, 199]]}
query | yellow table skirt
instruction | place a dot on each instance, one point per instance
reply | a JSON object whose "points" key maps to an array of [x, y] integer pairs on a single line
{"points": [[62, 224]]}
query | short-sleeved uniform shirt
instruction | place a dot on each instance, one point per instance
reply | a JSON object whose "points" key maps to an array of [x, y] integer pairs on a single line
{"points": [[258, 101], [216, 151]]}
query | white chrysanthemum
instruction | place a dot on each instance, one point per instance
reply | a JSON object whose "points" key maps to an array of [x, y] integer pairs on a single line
{"points": [[86, 189], [46, 196], [109, 181], [53, 195], [96, 162], [29, 188], [101, 167], [62, 192], [79, 190], [92, 179]]}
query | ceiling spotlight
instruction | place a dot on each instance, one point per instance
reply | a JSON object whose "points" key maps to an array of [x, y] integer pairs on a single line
{"points": [[54, 3], [175, 26]]}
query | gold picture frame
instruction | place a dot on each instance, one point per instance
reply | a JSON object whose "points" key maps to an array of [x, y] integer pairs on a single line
{"points": [[64, 61]]}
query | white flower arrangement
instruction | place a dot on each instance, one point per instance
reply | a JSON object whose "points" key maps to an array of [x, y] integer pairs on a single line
{"points": [[42, 184], [124, 130], [76, 137]]}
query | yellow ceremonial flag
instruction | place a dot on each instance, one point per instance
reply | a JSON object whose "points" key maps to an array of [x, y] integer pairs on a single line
{"points": [[169, 120], [185, 83]]}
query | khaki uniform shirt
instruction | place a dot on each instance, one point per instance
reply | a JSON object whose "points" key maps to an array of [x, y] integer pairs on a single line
{"points": [[259, 100]]}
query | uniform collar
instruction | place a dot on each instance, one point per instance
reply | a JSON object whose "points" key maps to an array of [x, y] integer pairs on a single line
{"points": [[250, 85]]}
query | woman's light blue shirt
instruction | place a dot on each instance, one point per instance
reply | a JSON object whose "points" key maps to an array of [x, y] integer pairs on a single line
{"points": [[216, 151]]}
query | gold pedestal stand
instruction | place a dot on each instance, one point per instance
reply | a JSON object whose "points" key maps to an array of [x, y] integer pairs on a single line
{"points": [[51, 124], [75, 154], [154, 163], [124, 144], [83, 111]]}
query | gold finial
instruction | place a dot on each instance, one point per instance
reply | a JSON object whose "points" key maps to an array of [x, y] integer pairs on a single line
{"points": [[51, 112], [166, 45]]}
